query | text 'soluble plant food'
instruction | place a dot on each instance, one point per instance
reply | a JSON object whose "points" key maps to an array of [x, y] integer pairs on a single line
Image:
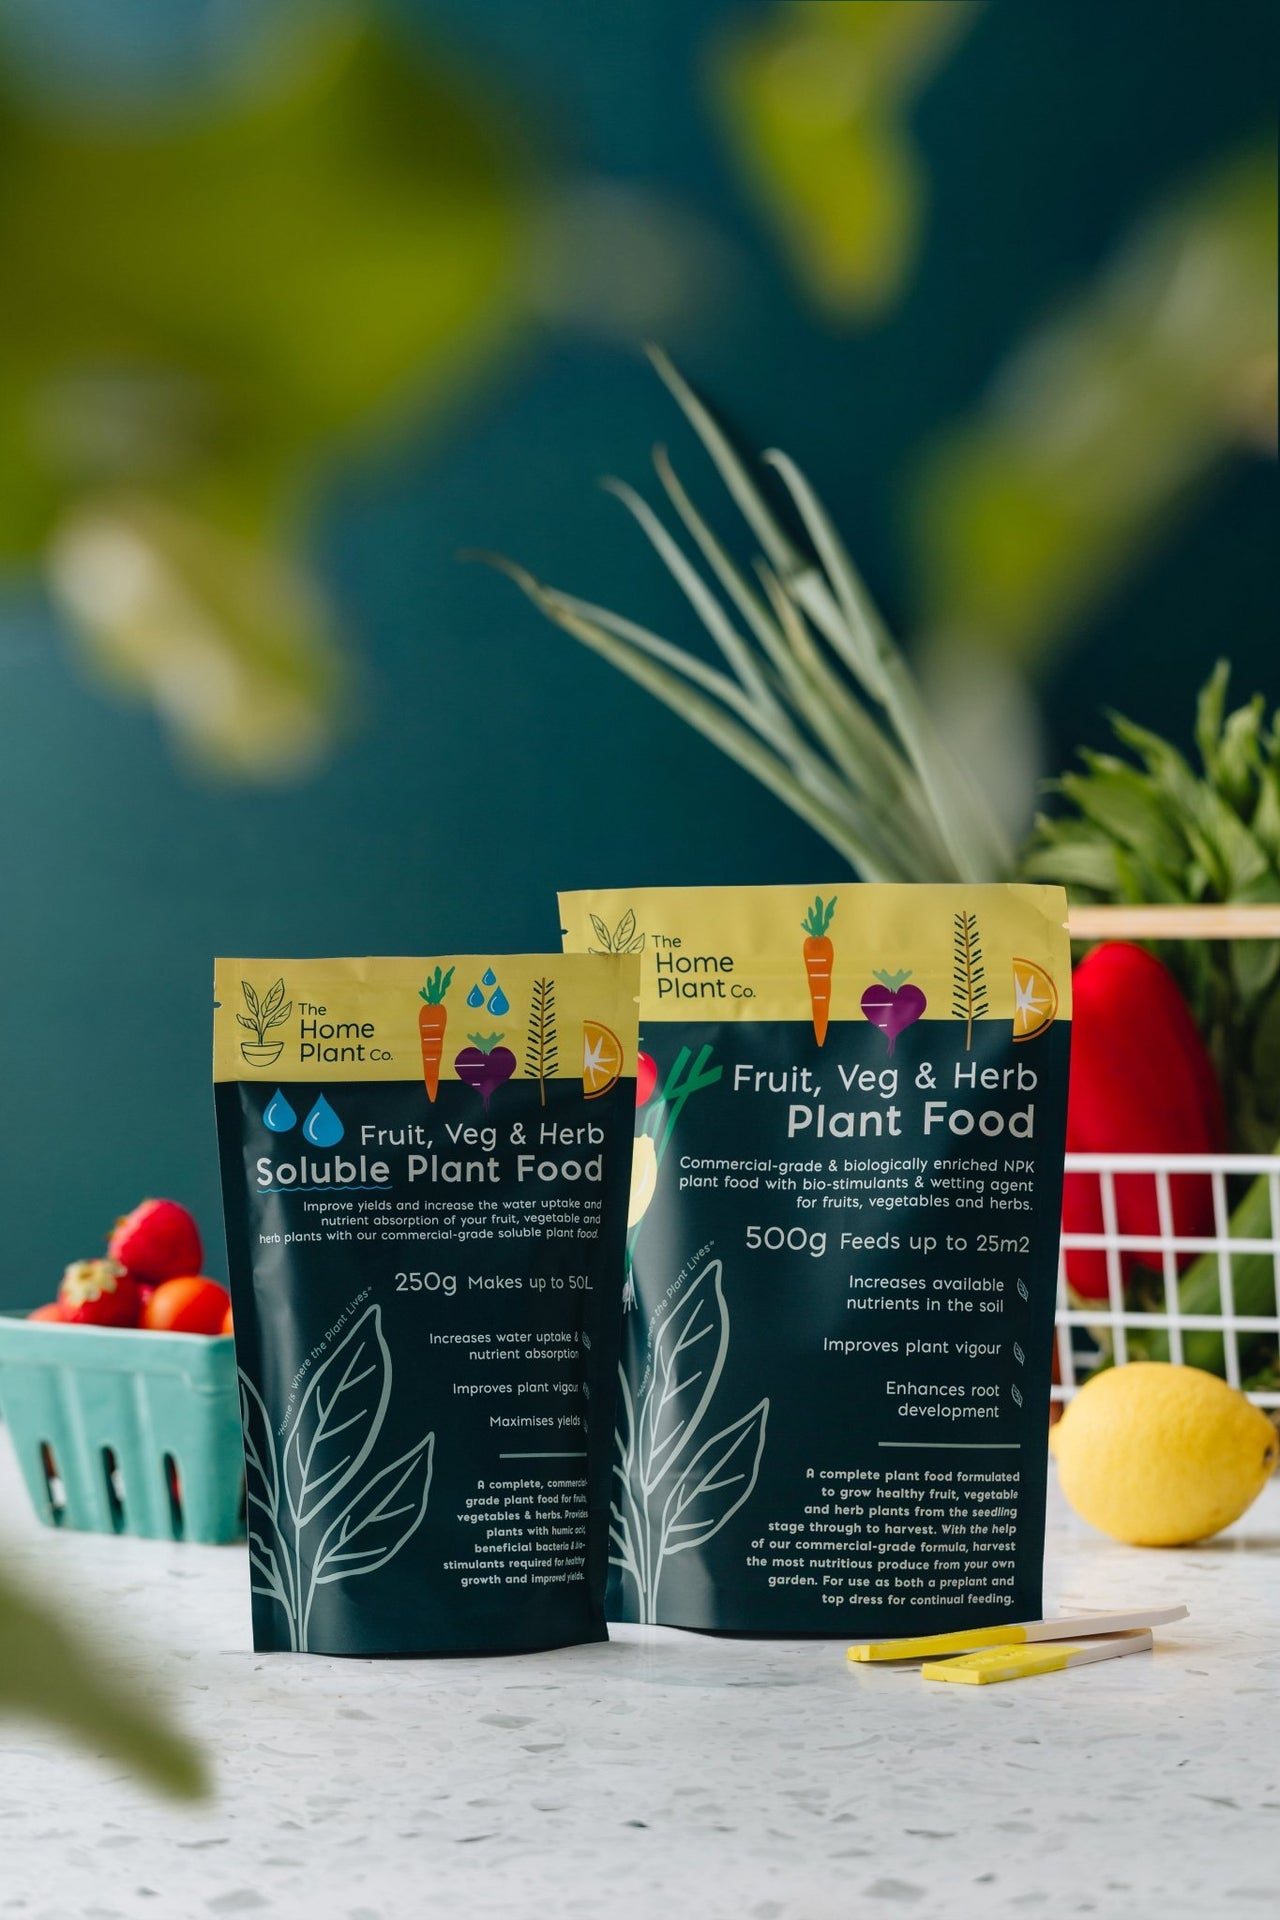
{"points": [[842, 1253], [425, 1167]]}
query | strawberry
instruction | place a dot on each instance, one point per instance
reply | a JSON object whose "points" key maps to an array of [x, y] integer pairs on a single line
{"points": [[157, 1241], [52, 1311], [99, 1293], [191, 1303]]}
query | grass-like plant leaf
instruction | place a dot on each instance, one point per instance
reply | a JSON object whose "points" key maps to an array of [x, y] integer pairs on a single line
{"points": [[817, 703]]}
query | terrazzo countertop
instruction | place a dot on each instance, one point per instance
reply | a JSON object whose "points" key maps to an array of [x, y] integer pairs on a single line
{"points": [[664, 1775]]}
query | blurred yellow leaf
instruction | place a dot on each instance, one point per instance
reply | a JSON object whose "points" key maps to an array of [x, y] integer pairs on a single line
{"points": [[815, 99], [203, 306], [230, 644], [1106, 417]]}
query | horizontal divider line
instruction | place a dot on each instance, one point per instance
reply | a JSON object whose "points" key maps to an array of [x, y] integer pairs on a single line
{"points": [[1164, 1243], [1135, 1321]]}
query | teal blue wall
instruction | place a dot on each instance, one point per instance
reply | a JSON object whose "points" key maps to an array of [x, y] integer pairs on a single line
{"points": [[458, 807]]}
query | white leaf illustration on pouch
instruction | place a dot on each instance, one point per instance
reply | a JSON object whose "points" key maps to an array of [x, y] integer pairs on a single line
{"points": [[330, 1441], [688, 1357], [270, 1564], [715, 1483], [340, 1417], [661, 1507]]}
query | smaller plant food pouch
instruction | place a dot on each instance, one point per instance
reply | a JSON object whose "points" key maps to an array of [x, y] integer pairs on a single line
{"points": [[425, 1170], [842, 1255]]}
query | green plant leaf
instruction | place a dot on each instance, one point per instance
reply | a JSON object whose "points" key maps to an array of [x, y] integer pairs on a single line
{"points": [[876, 779], [48, 1673], [1210, 709], [1266, 815], [1125, 805], [974, 841], [1240, 760]]}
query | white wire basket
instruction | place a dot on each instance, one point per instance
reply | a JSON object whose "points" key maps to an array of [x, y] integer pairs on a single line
{"points": [[1116, 1322]]}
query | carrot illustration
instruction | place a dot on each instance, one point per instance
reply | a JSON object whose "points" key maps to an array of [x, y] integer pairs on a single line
{"points": [[819, 956], [433, 1017]]}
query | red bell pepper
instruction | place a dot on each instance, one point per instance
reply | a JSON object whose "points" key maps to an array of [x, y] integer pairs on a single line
{"points": [[1141, 1082]]}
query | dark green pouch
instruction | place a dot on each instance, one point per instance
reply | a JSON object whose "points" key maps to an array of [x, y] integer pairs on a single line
{"points": [[425, 1170], [843, 1254]]}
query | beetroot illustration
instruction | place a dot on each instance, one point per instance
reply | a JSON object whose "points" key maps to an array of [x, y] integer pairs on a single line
{"points": [[892, 1005], [485, 1065]]}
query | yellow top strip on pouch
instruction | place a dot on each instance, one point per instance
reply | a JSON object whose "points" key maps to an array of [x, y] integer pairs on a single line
{"points": [[378, 1019], [761, 953]]}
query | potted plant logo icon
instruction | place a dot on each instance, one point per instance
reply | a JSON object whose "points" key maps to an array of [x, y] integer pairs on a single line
{"points": [[270, 1011]]}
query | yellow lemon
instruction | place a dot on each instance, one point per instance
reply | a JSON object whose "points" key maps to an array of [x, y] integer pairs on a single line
{"points": [[644, 1178], [1159, 1455]]}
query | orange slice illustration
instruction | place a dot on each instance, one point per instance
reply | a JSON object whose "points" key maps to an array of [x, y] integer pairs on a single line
{"points": [[1035, 1000], [601, 1058]]}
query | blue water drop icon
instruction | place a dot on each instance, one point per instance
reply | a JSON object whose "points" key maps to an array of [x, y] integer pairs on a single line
{"points": [[488, 978], [279, 1115], [475, 998], [498, 1002], [322, 1126]]}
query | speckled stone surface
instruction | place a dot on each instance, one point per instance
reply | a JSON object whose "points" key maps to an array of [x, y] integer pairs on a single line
{"points": [[665, 1775]]}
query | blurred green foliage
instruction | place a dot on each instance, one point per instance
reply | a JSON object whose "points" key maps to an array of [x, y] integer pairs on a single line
{"points": [[209, 300], [48, 1673], [1101, 422], [815, 99], [1152, 828]]}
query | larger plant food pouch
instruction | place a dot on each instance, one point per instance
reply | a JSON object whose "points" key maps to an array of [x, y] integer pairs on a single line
{"points": [[425, 1169], [842, 1253]]}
